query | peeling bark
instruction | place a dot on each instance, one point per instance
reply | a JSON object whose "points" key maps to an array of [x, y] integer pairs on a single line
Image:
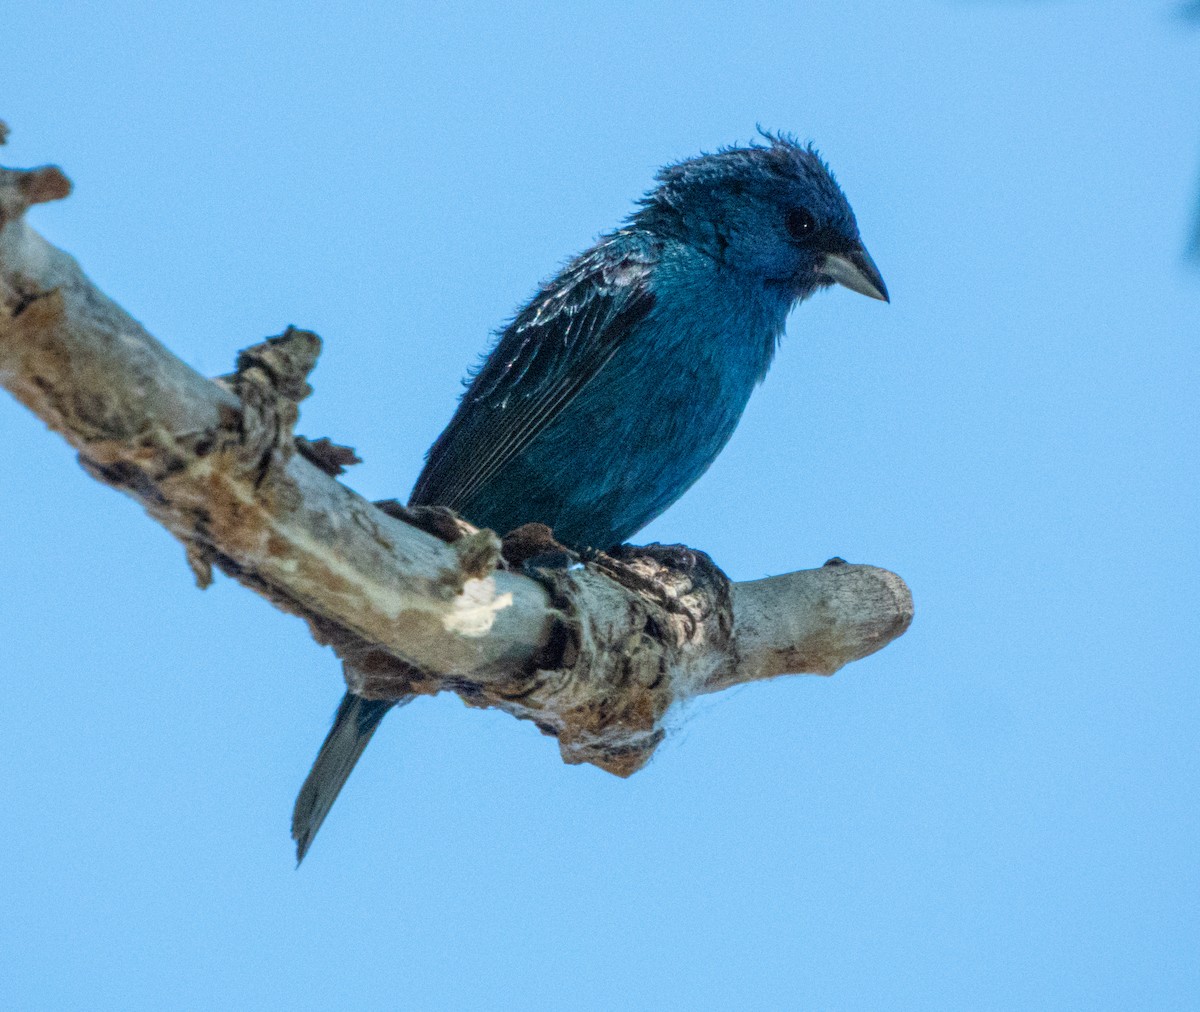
{"points": [[593, 650]]}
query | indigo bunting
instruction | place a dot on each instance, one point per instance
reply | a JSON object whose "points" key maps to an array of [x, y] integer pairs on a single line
{"points": [[618, 384]]}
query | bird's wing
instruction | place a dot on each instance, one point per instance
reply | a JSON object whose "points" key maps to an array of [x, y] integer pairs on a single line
{"points": [[553, 348]]}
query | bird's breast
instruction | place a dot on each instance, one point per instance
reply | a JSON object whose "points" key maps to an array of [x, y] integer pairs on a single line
{"points": [[652, 420]]}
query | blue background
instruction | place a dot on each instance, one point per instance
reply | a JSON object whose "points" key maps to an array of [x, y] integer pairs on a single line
{"points": [[999, 810]]}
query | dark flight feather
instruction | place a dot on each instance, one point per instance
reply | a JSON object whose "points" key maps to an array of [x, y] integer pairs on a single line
{"points": [[553, 348]]}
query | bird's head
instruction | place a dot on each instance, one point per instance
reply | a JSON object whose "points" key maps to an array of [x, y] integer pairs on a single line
{"points": [[773, 210]]}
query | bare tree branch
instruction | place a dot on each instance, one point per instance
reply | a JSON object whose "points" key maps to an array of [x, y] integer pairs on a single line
{"points": [[593, 651]]}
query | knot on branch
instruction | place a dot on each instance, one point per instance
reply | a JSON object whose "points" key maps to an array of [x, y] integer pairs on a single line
{"points": [[20, 189], [279, 365], [643, 627], [271, 380], [639, 629]]}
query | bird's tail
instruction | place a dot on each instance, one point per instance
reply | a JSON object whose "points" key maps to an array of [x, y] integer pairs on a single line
{"points": [[353, 726]]}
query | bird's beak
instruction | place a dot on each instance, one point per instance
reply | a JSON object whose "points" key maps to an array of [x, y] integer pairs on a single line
{"points": [[857, 271]]}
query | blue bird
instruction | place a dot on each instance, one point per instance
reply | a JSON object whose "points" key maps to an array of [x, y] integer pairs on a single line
{"points": [[618, 384]]}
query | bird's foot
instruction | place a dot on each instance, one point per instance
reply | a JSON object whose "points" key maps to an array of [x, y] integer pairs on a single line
{"points": [[534, 546]]}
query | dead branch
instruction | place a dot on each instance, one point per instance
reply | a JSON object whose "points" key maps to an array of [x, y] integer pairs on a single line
{"points": [[593, 651]]}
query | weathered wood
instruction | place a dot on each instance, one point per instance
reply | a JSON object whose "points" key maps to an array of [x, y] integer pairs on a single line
{"points": [[595, 652]]}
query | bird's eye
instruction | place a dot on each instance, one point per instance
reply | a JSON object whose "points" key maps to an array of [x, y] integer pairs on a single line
{"points": [[800, 224]]}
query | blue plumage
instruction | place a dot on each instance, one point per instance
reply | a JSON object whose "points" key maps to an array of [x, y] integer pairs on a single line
{"points": [[613, 390]]}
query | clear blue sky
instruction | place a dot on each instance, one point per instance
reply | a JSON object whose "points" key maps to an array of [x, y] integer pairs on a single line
{"points": [[999, 810]]}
